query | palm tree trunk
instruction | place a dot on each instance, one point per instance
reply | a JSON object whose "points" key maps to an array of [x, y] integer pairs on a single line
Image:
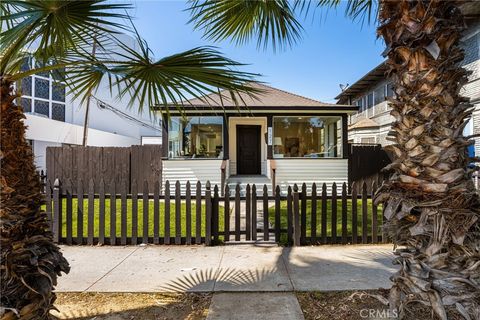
{"points": [[30, 262], [432, 207]]}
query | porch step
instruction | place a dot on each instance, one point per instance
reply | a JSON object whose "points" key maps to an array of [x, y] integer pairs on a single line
{"points": [[243, 181]]}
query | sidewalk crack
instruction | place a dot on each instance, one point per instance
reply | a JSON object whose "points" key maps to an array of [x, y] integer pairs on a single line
{"points": [[113, 268], [287, 271], [218, 269]]}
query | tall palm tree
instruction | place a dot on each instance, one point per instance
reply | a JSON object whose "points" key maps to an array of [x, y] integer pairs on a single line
{"points": [[432, 208], [60, 34]]}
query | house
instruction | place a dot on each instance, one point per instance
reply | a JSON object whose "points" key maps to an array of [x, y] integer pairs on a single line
{"points": [[275, 138], [54, 118], [372, 122]]}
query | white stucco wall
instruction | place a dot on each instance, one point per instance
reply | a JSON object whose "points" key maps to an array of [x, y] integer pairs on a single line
{"points": [[46, 132]]}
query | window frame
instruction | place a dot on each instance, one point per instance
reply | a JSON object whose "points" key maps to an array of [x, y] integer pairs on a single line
{"points": [[170, 143], [32, 96], [339, 150]]}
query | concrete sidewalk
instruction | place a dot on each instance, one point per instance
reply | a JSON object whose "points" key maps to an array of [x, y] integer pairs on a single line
{"points": [[240, 268]]}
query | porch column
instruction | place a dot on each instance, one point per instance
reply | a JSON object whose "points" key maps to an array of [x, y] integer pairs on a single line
{"points": [[270, 127], [165, 138], [226, 150], [345, 147]]}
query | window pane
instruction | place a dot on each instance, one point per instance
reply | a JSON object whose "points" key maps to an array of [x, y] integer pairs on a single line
{"points": [[360, 104], [307, 137], [41, 107], [26, 104], [58, 92], [369, 140], [26, 86], [390, 92], [26, 63], [195, 137], [58, 74], [42, 88], [58, 111], [380, 94], [41, 74], [370, 100]]}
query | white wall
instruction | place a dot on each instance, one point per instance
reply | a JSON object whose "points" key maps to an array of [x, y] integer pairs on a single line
{"points": [[40, 151], [106, 120], [299, 171], [232, 140], [193, 171], [51, 133]]}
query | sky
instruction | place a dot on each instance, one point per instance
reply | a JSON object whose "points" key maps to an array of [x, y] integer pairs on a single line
{"points": [[333, 50]]}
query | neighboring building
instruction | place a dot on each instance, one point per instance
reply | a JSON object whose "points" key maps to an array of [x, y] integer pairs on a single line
{"points": [[302, 139], [373, 121], [54, 118], [370, 125]]}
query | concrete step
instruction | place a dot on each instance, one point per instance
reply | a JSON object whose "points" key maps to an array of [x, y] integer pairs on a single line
{"points": [[243, 181]]}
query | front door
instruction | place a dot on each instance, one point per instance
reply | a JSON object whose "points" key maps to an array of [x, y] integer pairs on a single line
{"points": [[248, 149]]}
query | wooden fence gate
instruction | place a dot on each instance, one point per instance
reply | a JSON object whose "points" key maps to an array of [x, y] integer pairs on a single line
{"points": [[112, 215]]}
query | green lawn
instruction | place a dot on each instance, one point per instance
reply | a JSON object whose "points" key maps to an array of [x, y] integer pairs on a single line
{"points": [[129, 218], [283, 218]]}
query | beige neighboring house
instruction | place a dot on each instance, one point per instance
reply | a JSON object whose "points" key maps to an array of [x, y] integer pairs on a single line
{"points": [[372, 122]]}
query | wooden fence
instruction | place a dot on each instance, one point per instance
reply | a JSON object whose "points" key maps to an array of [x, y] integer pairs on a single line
{"points": [[80, 215], [365, 163], [111, 163]]}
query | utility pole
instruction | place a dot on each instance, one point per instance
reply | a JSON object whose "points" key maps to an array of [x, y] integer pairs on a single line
{"points": [[87, 107]]}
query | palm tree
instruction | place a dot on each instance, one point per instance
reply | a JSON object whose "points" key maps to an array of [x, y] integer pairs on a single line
{"points": [[60, 35], [432, 208]]}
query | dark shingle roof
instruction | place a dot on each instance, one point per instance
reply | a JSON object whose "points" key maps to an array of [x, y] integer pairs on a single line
{"points": [[270, 97]]}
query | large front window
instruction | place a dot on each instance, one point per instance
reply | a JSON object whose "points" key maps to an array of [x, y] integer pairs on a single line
{"points": [[307, 137], [195, 137]]}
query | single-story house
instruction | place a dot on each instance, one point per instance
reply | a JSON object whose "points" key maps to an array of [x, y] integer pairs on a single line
{"points": [[276, 138]]}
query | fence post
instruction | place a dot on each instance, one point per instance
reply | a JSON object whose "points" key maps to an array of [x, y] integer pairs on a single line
{"points": [[57, 212], [289, 216], [215, 211], [48, 206], [296, 217], [266, 231], [277, 214], [248, 213], [208, 217], [334, 220]]}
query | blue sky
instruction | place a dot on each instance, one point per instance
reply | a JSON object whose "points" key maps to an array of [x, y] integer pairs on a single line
{"points": [[333, 50]]}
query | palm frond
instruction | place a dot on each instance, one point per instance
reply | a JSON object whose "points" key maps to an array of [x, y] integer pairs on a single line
{"points": [[270, 21], [53, 25], [363, 10], [169, 81]]}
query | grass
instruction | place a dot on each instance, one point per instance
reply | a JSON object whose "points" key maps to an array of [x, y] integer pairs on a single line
{"points": [[122, 306], [283, 218], [129, 210]]}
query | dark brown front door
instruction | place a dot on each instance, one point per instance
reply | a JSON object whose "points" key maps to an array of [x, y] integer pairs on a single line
{"points": [[248, 149]]}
